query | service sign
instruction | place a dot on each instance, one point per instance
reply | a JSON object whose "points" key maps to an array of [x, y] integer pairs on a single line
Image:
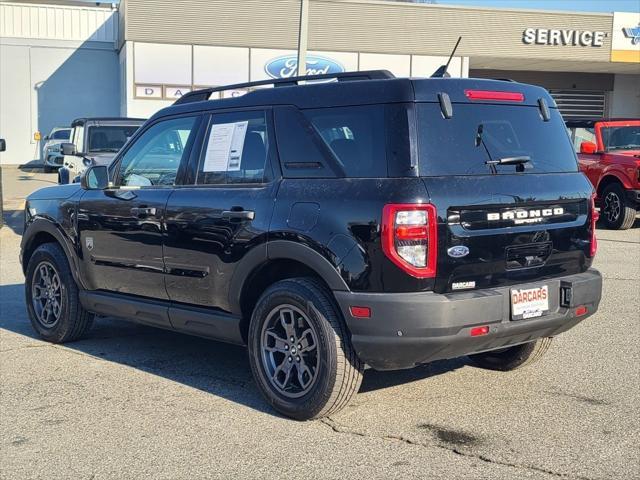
{"points": [[625, 42], [287, 66], [550, 36]]}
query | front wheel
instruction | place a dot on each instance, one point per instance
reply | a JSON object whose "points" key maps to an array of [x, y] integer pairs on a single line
{"points": [[52, 296], [617, 212], [300, 352], [512, 358]]}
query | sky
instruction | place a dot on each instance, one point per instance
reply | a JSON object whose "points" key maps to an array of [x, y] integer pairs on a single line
{"points": [[577, 5]]}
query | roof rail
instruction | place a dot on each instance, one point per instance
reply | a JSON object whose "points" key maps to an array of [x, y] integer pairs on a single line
{"points": [[205, 93]]}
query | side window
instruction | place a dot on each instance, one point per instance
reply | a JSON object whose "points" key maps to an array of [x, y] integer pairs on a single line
{"points": [[78, 140], [235, 149], [583, 135], [356, 135], [154, 158]]}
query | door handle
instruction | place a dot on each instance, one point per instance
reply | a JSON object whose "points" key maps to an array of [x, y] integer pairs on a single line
{"points": [[239, 214], [143, 211]]}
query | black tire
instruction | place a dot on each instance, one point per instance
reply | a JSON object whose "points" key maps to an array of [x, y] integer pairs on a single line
{"points": [[72, 321], [616, 211], [512, 358], [339, 371], [47, 169]]}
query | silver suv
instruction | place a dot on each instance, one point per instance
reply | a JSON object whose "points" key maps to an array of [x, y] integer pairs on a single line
{"points": [[94, 141]]}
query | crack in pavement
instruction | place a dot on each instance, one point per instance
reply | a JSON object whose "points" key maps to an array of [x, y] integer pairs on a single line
{"points": [[24, 347], [339, 428]]}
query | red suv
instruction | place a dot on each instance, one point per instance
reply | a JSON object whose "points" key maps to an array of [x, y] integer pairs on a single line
{"points": [[609, 155]]}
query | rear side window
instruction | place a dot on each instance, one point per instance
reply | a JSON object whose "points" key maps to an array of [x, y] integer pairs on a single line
{"points": [[236, 149], [355, 135], [478, 133]]}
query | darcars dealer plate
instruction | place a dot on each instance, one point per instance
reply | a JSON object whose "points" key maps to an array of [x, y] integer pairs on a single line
{"points": [[529, 302]]}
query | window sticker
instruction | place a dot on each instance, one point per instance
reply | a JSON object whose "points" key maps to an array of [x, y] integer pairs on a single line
{"points": [[224, 150]]}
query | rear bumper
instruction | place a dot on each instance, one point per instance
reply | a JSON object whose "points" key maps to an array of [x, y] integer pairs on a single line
{"points": [[408, 329]]}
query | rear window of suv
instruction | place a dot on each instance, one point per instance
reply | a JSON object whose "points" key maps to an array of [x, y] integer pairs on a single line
{"points": [[480, 132]]}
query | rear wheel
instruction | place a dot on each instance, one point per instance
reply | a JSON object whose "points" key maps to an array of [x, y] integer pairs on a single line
{"points": [[617, 212], [512, 358], [300, 353], [52, 296]]}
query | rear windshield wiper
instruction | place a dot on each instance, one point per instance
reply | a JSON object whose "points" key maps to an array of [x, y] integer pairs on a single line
{"points": [[509, 160]]}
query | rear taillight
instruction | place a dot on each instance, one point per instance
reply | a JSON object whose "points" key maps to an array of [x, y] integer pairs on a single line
{"points": [[494, 95], [593, 248], [409, 238]]}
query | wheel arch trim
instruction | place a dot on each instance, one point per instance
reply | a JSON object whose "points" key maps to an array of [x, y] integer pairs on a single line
{"points": [[43, 225], [282, 250]]}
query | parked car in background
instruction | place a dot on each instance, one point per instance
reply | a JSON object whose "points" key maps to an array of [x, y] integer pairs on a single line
{"points": [[51, 153], [94, 141], [609, 155]]}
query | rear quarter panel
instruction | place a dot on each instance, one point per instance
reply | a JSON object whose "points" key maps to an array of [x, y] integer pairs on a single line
{"points": [[340, 219]]}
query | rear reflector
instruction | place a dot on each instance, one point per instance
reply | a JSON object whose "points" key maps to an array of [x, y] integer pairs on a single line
{"points": [[360, 312], [581, 310], [477, 331], [494, 95]]}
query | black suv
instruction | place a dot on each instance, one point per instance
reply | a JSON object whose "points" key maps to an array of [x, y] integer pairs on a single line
{"points": [[370, 220]]}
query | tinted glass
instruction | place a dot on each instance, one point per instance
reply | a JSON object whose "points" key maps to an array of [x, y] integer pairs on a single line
{"points": [[61, 135], [478, 133], [154, 158], [235, 149], [356, 135], [621, 138], [109, 138]]}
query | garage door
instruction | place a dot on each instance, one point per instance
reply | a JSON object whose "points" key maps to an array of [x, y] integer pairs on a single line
{"points": [[577, 104]]}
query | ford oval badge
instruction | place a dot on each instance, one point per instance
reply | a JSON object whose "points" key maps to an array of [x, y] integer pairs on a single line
{"points": [[458, 251], [287, 66]]}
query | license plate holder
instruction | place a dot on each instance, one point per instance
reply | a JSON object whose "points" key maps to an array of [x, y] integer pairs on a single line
{"points": [[530, 302]]}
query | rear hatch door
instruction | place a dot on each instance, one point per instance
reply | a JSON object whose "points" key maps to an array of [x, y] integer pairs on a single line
{"points": [[502, 222]]}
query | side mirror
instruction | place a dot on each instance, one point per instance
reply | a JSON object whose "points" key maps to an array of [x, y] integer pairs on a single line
{"points": [[68, 149], [3, 145], [95, 178], [588, 147]]}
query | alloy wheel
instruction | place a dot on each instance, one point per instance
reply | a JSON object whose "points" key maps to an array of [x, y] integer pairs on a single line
{"points": [[612, 207], [289, 351], [46, 294]]}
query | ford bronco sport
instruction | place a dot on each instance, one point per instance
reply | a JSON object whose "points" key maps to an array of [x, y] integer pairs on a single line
{"points": [[370, 220], [609, 155]]}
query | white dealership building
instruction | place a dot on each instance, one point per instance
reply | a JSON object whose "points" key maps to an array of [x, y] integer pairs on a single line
{"points": [[64, 59]]}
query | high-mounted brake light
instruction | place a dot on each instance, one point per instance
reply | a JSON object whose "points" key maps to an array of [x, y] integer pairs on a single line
{"points": [[494, 95], [409, 238], [593, 248]]}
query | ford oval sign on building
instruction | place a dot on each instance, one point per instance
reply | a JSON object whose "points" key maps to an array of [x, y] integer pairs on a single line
{"points": [[287, 66]]}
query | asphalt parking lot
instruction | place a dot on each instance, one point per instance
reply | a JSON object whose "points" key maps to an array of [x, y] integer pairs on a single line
{"points": [[134, 402]]}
